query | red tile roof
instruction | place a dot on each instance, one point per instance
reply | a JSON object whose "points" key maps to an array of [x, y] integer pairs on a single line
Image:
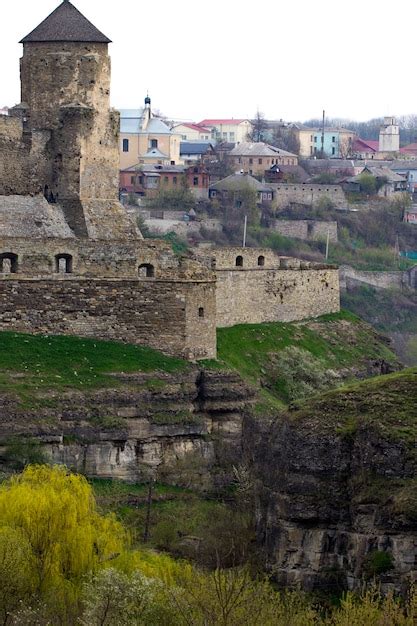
{"points": [[218, 122], [198, 127], [410, 149], [367, 144]]}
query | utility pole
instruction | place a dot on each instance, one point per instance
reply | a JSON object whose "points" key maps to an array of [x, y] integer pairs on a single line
{"points": [[327, 243], [322, 136], [244, 231]]}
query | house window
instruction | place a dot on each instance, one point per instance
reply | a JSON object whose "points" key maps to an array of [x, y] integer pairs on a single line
{"points": [[8, 263], [154, 143], [172, 162], [132, 180], [260, 161], [225, 136], [200, 311], [315, 139], [195, 181], [334, 139], [146, 270], [333, 150], [311, 137], [311, 149], [250, 161], [261, 260], [140, 180], [231, 137], [174, 180], [165, 179], [125, 145], [63, 263], [239, 261]]}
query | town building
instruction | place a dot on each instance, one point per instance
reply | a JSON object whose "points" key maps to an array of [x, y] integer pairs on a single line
{"points": [[148, 180], [147, 139], [255, 158], [232, 189], [192, 132], [334, 143], [194, 151], [229, 130]]}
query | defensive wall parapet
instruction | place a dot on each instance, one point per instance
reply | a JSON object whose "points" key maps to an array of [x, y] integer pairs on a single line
{"points": [[310, 194], [308, 230]]}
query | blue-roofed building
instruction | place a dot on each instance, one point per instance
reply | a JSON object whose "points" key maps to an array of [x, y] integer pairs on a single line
{"points": [[191, 151], [146, 139]]}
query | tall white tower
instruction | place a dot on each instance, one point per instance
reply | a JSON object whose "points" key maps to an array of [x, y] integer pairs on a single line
{"points": [[389, 135]]}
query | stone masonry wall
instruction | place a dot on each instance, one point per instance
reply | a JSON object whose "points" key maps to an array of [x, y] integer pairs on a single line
{"points": [[253, 296], [162, 314], [310, 230], [309, 194]]}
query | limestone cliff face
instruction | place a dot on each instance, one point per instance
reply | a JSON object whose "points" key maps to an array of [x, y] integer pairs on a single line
{"points": [[331, 501], [183, 428]]}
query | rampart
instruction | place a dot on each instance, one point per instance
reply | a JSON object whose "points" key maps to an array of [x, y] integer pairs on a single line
{"points": [[310, 194], [308, 230], [256, 286], [351, 277], [162, 314]]}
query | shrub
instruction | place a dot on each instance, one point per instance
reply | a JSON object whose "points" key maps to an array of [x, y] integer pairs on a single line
{"points": [[377, 562], [299, 373]]}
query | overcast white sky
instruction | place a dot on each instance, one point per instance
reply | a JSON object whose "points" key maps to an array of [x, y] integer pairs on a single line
{"points": [[226, 58]]}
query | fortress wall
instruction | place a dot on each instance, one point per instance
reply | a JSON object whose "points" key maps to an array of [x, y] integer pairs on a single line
{"points": [[161, 314], [254, 296], [90, 259], [351, 277], [225, 258], [312, 230], [309, 193]]}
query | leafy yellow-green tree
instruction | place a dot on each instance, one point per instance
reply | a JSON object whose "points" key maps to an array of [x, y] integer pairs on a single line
{"points": [[51, 516]]}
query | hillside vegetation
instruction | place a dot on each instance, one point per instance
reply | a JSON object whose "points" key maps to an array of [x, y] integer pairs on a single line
{"points": [[391, 311], [292, 360]]}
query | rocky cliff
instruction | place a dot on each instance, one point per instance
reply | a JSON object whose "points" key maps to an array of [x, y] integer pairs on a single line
{"points": [[183, 427], [336, 486]]}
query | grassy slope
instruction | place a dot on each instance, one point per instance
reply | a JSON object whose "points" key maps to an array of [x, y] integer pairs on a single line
{"points": [[390, 311], [388, 403], [338, 340], [29, 363]]}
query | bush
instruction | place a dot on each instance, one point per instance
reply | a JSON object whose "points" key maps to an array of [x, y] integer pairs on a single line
{"points": [[299, 373], [377, 562]]}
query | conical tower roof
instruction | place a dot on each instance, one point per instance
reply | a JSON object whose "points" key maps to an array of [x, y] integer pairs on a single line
{"points": [[66, 23]]}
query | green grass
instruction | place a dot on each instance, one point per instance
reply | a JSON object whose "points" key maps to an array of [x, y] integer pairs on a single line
{"points": [[388, 403], [338, 340], [29, 362]]}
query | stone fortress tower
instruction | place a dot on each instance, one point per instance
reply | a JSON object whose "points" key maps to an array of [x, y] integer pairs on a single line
{"points": [[71, 259], [65, 91], [389, 135]]}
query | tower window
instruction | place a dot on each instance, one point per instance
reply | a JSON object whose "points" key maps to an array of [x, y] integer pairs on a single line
{"points": [[261, 260], [201, 312], [125, 145], [146, 270], [8, 263], [239, 261], [63, 263], [154, 143]]}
